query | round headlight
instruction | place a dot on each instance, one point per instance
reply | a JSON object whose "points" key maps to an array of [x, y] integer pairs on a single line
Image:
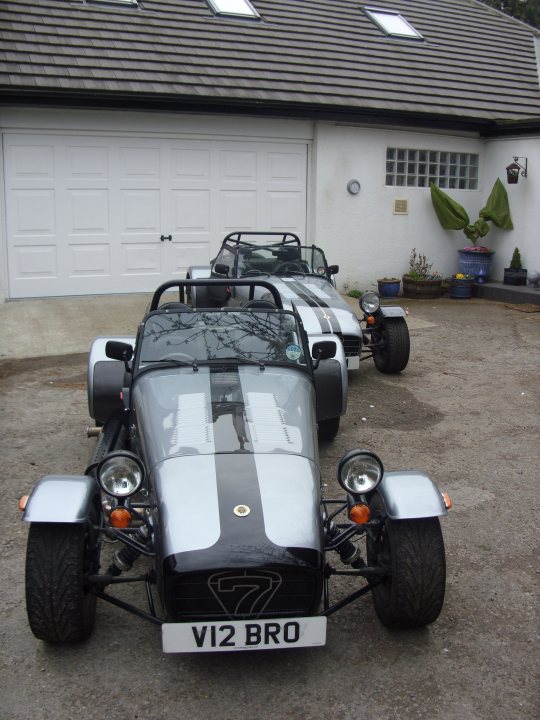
{"points": [[369, 302], [120, 474], [359, 472]]}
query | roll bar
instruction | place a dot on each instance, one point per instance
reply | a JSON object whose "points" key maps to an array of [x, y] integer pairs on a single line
{"points": [[206, 282], [286, 237]]}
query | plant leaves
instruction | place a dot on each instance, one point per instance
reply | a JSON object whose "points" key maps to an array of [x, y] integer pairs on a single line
{"points": [[451, 214], [497, 208]]}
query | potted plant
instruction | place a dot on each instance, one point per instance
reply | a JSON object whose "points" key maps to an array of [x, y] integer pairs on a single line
{"points": [[461, 285], [515, 274], [421, 281], [388, 287], [476, 259]]}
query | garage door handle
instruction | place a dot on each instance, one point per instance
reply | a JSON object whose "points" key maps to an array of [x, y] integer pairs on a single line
{"points": [[166, 237]]}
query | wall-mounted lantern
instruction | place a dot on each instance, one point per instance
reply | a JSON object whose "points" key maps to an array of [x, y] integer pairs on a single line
{"points": [[513, 170]]}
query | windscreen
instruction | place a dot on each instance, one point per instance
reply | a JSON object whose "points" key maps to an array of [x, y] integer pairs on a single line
{"points": [[248, 335], [280, 259]]}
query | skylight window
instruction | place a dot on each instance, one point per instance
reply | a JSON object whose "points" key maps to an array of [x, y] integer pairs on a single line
{"points": [[128, 3], [392, 23], [234, 8]]}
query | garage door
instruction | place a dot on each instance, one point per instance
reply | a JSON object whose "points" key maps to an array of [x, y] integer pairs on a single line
{"points": [[93, 215]]}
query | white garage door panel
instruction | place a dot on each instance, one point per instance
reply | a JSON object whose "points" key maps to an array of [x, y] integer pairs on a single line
{"points": [[85, 215]]}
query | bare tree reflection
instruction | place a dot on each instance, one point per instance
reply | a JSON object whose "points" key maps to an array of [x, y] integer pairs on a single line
{"points": [[259, 336]]}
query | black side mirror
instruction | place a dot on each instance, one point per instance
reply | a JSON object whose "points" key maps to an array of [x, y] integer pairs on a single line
{"points": [[117, 350], [333, 269], [221, 269], [324, 350]]}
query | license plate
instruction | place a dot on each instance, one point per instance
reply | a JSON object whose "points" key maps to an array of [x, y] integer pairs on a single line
{"points": [[243, 635]]}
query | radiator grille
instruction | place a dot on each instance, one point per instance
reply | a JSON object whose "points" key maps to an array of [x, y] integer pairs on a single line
{"points": [[351, 345], [243, 594]]}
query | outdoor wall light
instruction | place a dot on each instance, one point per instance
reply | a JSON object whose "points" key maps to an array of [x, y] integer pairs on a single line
{"points": [[512, 170], [353, 187]]}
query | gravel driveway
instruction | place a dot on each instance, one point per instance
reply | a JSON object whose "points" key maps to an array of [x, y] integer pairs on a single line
{"points": [[466, 410]]}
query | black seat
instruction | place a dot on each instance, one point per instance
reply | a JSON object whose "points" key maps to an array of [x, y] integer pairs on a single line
{"points": [[260, 305], [176, 306]]}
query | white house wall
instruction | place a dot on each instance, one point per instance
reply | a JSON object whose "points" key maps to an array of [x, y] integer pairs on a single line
{"points": [[524, 200], [359, 232]]}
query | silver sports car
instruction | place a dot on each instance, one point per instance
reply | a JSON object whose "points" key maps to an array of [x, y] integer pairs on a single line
{"points": [[306, 284]]}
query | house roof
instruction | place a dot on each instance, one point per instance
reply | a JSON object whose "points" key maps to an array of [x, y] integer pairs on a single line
{"points": [[476, 66]]}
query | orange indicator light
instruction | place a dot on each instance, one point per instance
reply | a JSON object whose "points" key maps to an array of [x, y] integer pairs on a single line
{"points": [[370, 320], [120, 517], [447, 500], [22, 502], [359, 514]]}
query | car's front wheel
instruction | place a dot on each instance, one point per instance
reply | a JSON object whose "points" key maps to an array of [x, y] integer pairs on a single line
{"points": [[59, 557], [392, 346], [328, 429], [412, 553]]}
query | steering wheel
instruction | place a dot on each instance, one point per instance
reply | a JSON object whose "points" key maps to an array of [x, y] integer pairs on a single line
{"points": [[289, 267], [178, 356], [252, 272]]}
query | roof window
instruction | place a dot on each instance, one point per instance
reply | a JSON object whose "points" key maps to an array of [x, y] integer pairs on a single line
{"points": [[234, 8], [392, 23], [125, 3]]}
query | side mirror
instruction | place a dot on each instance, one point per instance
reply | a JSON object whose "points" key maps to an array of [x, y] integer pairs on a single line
{"points": [[324, 350], [117, 350], [221, 269], [333, 269]]}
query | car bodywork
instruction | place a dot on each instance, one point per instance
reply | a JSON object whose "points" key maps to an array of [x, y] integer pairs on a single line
{"points": [[306, 282], [207, 464]]}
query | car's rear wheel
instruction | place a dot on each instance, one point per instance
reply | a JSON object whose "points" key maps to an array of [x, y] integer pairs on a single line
{"points": [[328, 429], [59, 557], [391, 354], [412, 552]]}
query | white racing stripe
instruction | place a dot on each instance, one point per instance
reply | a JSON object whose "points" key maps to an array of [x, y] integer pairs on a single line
{"points": [[291, 300]]}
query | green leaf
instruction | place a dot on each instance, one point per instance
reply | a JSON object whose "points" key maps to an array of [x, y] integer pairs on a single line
{"points": [[497, 208], [451, 214]]}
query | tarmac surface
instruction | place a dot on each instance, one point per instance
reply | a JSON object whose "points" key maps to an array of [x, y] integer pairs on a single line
{"points": [[66, 326], [465, 410]]}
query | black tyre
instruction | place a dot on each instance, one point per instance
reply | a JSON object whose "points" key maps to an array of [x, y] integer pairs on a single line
{"points": [[58, 557], [328, 429], [394, 343], [413, 552]]}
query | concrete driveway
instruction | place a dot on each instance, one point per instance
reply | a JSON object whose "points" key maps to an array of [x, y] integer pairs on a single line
{"points": [[466, 410]]}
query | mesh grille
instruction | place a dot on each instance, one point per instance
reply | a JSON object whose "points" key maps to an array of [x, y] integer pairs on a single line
{"points": [[247, 594], [351, 345]]}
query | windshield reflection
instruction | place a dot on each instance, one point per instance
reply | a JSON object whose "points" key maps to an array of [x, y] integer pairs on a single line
{"points": [[262, 336]]}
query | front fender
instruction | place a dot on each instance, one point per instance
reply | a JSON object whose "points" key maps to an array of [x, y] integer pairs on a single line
{"points": [[412, 494], [325, 401], [61, 499], [391, 311]]}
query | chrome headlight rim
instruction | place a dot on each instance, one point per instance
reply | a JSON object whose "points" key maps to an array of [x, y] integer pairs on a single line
{"points": [[370, 302], [359, 472], [138, 473]]}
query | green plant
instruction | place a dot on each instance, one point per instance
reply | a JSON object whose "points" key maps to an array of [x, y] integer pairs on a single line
{"points": [[420, 267], [354, 293], [515, 263], [453, 216]]}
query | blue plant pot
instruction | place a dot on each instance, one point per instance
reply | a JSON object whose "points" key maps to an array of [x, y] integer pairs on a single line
{"points": [[461, 288], [476, 263], [388, 289]]}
